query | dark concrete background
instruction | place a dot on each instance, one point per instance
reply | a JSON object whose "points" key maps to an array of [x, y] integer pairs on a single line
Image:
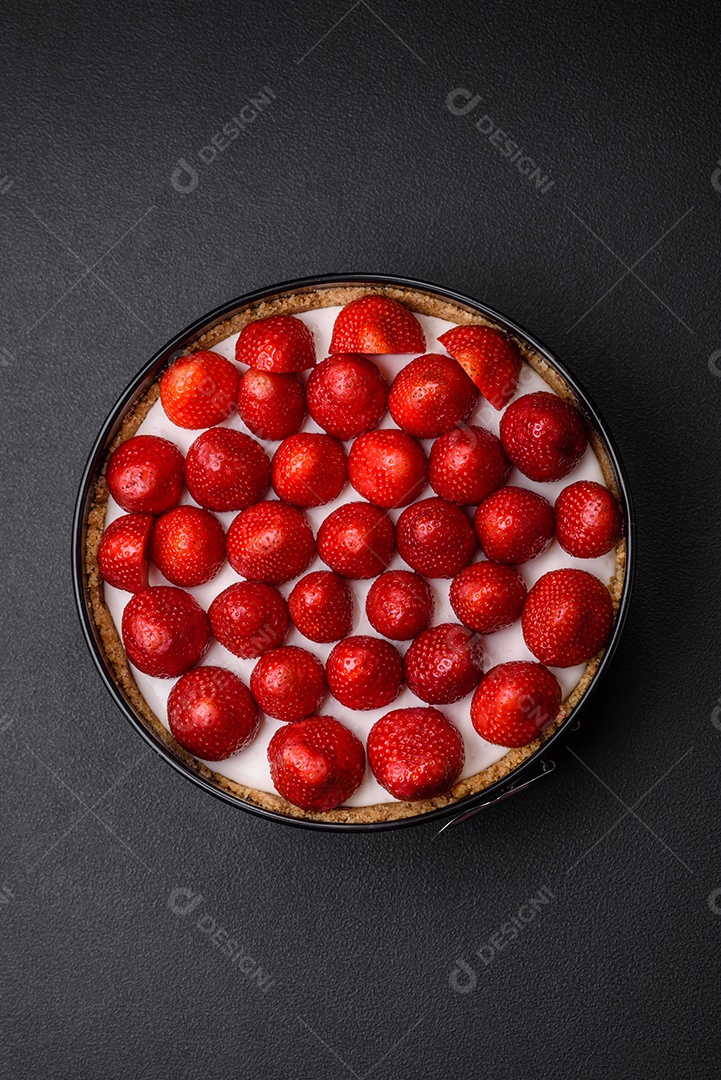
{"points": [[357, 163]]}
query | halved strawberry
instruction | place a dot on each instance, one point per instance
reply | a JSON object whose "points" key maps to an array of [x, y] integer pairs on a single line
{"points": [[199, 391], [280, 343], [124, 552], [316, 763], [376, 324], [489, 357], [212, 714], [165, 631], [415, 753], [514, 702]]}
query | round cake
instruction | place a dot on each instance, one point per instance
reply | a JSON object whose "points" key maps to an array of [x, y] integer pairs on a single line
{"points": [[397, 595]]}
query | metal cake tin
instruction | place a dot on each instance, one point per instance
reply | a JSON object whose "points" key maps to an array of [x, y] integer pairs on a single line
{"points": [[540, 763]]}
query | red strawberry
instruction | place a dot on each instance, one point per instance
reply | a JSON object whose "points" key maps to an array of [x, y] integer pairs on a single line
{"points": [[188, 545], [514, 525], [364, 672], [514, 702], [272, 406], [270, 542], [165, 632], [415, 753], [357, 540], [145, 475], [316, 763], [435, 538], [377, 324], [249, 618], [347, 395], [212, 713], [280, 343], [399, 605], [124, 552], [588, 520], [309, 469], [444, 663], [289, 683], [567, 618], [543, 436], [321, 606], [388, 468], [226, 470], [199, 391], [488, 596], [489, 357], [431, 395], [467, 464]]}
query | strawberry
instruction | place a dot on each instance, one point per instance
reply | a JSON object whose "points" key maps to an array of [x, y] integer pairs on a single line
{"points": [[399, 604], [514, 702], [357, 540], [415, 753], [145, 475], [388, 468], [270, 542], [347, 395], [588, 520], [199, 391], [377, 324], [281, 343], [226, 470], [567, 618], [444, 664], [289, 683], [123, 553], [435, 538], [212, 714], [431, 395], [272, 406], [165, 631], [488, 596], [249, 618], [514, 525], [321, 606], [309, 469], [467, 464], [188, 545], [543, 436], [489, 357], [316, 763], [364, 672]]}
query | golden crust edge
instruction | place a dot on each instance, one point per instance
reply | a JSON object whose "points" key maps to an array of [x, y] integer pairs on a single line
{"points": [[293, 304]]}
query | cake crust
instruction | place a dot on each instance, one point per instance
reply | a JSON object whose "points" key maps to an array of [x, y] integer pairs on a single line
{"points": [[292, 304]]}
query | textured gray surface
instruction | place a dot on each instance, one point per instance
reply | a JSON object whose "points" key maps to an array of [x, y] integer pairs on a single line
{"points": [[357, 163]]}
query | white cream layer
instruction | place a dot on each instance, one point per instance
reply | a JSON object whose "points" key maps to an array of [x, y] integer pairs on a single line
{"points": [[250, 767]]}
